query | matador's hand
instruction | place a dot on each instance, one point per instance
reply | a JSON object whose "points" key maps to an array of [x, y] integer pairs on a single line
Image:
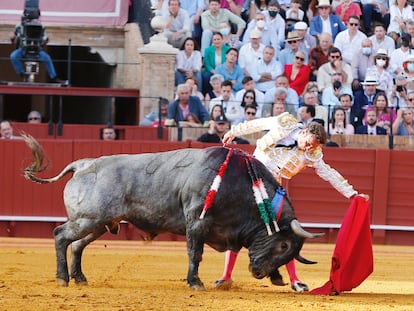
{"points": [[228, 138], [363, 195]]}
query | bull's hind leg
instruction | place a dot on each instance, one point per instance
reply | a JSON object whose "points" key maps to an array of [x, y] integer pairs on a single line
{"points": [[76, 257]]}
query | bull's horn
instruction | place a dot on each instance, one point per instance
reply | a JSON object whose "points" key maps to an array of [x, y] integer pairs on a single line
{"points": [[297, 228], [304, 260]]}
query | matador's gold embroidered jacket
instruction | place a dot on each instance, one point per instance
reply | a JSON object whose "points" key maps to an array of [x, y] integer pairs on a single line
{"points": [[286, 162]]}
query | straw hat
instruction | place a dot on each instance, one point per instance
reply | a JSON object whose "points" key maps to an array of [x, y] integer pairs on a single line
{"points": [[293, 36]]}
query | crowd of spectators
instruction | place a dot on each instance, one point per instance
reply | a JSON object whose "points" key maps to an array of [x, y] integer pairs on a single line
{"points": [[338, 59]]}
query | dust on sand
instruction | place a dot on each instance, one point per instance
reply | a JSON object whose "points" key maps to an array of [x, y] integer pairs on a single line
{"points": [[133, 275]]}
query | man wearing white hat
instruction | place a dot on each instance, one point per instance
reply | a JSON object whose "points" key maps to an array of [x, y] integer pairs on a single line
{"points": [[349, 40], [326, 22], [307, 42], [251, 52], [287, 55], [365, 97]]}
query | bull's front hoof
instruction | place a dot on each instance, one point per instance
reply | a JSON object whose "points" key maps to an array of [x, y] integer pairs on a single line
{"points": [[277, 279], [80, 279], [198, 287], [62, 282], [223, 284]]}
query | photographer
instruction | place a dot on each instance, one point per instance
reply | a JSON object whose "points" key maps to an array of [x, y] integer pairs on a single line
{"points": [[35, 44]]}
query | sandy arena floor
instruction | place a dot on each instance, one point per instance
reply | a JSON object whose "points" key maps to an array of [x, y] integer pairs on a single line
{"points": [[133, 275]]}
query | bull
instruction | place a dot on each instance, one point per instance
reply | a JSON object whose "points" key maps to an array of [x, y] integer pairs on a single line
{"points": [[165, 192]]}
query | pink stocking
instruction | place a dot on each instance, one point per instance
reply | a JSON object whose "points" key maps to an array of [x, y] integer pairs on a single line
{"points": [[229, 265], [291, 269]]}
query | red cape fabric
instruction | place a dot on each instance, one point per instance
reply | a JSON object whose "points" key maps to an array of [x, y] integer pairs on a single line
{"points": [[353, 260]]}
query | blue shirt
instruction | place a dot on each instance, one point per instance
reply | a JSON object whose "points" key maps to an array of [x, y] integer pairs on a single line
{"points": [[237, 75]]}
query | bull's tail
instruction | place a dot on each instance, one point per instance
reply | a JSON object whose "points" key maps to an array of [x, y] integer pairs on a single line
{"points": [[38, 165]]}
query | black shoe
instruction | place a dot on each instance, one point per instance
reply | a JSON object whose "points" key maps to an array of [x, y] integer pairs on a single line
{"points": [[24, 77]]}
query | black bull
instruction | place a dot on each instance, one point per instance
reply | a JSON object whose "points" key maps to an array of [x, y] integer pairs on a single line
{"points": [[165, 192]]}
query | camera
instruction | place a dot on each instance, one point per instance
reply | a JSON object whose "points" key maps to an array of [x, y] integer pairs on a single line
{"points": [[400, 88]]}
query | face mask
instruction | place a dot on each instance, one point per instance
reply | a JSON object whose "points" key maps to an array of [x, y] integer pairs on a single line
{"points": [[261, 24], [410, 67], [381, 62], [272, 13], [366, 51], [225, 31]]}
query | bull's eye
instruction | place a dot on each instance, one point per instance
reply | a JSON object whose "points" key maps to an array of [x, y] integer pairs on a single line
{"points": [[284, 246]]}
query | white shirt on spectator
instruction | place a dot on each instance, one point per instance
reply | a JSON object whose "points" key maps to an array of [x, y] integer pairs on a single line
{"points": [[248, 56], [347, 46], [274, 67]]}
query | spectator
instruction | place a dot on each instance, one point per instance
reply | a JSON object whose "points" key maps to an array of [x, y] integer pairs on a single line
{"points": [[320, 54], [380, 40], [281, 98], [249, 84], [18, 54], [403, 124], [191, 120], [188, 62], [321, 112], [326, 22], [192, 83], [361, 61], [400, 14], [214, 56], [353, 114], [231, 107], [278, 108], [408, 71], [287, 55], [371, 127], [292, 99], [230, 39], [408, 34], [365, 97], [398, 56], [339, 124], [349, 40], [215, 82], [346, 9], [249, 113], [276, 23], [152, 118], [399, 95], [298, 73], [335, 65], [216, 111], [306, 114], [254, 7], [181, 107], [330, 95], [295, 14], [269, 36], [178, 26], [6, 130], [211, 20], [216, 132], [311, 86], [194, 9], [266, 70], [230, 70], [249, 98], [385, 115], [34, 117], [307, 41], [380, 71], [234, 6], [251, 52], [108, 133], [375, 10]]}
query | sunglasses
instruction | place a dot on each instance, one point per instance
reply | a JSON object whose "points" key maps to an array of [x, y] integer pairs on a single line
{"points": [[34, 118], [250, 113], [410, 99], [324, 7], [335, 56], [354, 24], [381, 57], [293, 41], [300, 58]]}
